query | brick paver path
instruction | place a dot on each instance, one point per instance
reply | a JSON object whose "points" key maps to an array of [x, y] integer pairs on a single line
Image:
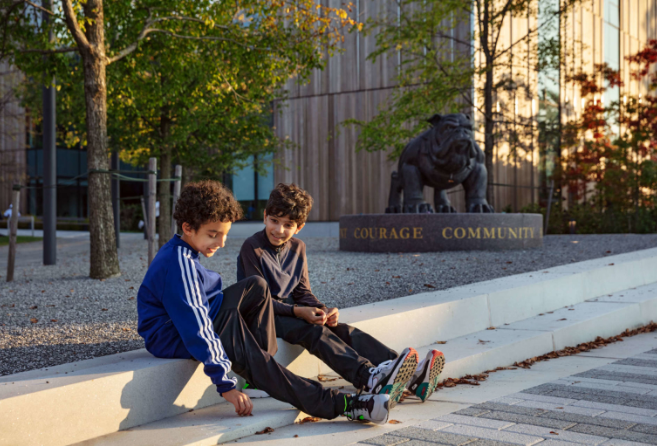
{"points": [[614, 405]]}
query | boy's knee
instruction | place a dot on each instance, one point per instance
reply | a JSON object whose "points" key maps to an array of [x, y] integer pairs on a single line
{"points": [[257, 282]]}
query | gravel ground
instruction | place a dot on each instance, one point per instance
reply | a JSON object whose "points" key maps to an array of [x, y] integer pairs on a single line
{"points": [[55, 314]]}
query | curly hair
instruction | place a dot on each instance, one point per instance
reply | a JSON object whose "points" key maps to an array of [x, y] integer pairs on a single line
{"points": [[206, 201], [289, 200]]}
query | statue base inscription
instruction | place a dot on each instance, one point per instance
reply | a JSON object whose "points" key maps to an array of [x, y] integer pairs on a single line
{"points": [[439, 232]]}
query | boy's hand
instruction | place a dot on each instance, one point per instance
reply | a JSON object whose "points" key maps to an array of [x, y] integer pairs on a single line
{"points": [[311, 315], [332, 315], [241, 401]]}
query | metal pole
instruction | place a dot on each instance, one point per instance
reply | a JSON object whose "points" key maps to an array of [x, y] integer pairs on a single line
{"points": [[152, 189], [549, 206], [49, 167], [176, 193], [116, 202], [13, 227]]}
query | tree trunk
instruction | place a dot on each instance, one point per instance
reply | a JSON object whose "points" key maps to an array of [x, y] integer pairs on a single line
{"points": [[104, 260], [489, 128]]}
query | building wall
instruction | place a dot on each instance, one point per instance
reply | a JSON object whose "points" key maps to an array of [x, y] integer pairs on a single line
{"points": [[12, 136], [343, 181]]}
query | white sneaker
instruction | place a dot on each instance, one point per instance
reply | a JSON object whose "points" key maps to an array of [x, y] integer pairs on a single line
{"points": [[391, 377], [372, 408], [426, 377]]}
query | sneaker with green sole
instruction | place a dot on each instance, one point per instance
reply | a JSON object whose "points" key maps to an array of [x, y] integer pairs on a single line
{"points": [[391, 377], [426, 377]]}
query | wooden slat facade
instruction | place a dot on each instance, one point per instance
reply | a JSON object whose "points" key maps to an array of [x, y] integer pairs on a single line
{"points": [[345, 182]]}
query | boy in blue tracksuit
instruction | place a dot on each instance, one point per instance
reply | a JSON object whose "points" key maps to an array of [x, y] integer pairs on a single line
{"points": [[184, 313]]}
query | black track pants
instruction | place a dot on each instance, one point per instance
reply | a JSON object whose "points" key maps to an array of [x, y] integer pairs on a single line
{"points": [[245, 325], [346, 349]]}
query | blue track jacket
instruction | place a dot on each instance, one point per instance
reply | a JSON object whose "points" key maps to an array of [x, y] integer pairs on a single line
{"points": [[176, 304]]}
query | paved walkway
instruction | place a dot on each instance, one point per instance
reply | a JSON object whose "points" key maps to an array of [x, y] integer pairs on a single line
{"points": [[615, 404], [605, 397]]}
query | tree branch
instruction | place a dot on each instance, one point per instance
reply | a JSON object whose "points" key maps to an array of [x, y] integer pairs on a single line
{"points": [[55, 51], [34, 5], [146, 30], [74, 27]]}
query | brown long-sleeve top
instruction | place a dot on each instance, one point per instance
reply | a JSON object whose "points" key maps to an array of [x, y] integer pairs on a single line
{"points": [[285, 268]]}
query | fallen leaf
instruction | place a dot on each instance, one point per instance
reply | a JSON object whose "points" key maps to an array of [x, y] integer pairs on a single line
{"points": [[490, 328], [558, 407], [131, 298], [327, 378], [43, 291], [53, 320], [396, 277], [309, 420], [296, 436], [33, 307], [562, 319], [267, 430], [440, 342], [608, 252], [553, 433], [126, 329], [131, 288], [611, 264], [571, 309], [394, 422], [428, 285], [483, 342], [34, 320], [104, 309], [387, 283], [508, 263]]}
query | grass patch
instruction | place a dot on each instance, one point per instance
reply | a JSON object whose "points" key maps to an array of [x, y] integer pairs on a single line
{"points": [[4, 240]]}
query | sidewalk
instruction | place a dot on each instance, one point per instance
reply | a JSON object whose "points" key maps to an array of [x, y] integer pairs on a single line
{"points": [[605, 397]]}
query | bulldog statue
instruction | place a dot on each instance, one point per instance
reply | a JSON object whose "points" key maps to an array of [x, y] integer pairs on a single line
{"points": [[442, 157]]}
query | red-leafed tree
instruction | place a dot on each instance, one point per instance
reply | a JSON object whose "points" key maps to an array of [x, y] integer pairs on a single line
{"points": [[611, 165]]}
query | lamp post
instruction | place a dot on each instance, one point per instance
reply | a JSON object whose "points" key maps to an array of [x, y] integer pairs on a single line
{"points": [[49, 166]]}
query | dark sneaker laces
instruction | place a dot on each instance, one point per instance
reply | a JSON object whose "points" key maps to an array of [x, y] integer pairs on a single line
{"points": [[357, 403]]}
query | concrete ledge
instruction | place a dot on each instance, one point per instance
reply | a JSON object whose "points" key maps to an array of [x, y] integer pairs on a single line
{"points": [[77, 402], [204, 427]]}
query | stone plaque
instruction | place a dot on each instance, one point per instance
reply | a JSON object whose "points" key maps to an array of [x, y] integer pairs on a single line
{"points": [[439, 232]]}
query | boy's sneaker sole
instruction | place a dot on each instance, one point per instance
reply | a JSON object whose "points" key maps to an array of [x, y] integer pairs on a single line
{"points": [[404, 368], [428, 381]]}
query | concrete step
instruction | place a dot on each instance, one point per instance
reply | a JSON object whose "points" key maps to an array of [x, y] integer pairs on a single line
{"points": [[470, 354], [77, 402], [208, 426]]}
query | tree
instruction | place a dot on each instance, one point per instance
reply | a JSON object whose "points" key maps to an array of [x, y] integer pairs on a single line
{"points": [[443, 62], [292, 33], [611, 165]]}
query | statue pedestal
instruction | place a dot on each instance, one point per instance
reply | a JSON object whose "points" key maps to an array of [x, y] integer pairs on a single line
{"points": [[439, 232]]}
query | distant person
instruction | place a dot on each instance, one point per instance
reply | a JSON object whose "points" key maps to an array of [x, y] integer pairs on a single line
{"points": [[183, 313], [302, 319], [8, 212]]}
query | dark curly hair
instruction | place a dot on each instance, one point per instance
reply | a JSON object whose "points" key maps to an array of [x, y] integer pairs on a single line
{"points": [[289, 200], [206, 201]]}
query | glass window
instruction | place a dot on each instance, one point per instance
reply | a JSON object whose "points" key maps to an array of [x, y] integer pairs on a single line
{"points": [[244, 183]]}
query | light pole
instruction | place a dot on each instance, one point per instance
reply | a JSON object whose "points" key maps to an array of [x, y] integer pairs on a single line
{"points": [[49, 166]]}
